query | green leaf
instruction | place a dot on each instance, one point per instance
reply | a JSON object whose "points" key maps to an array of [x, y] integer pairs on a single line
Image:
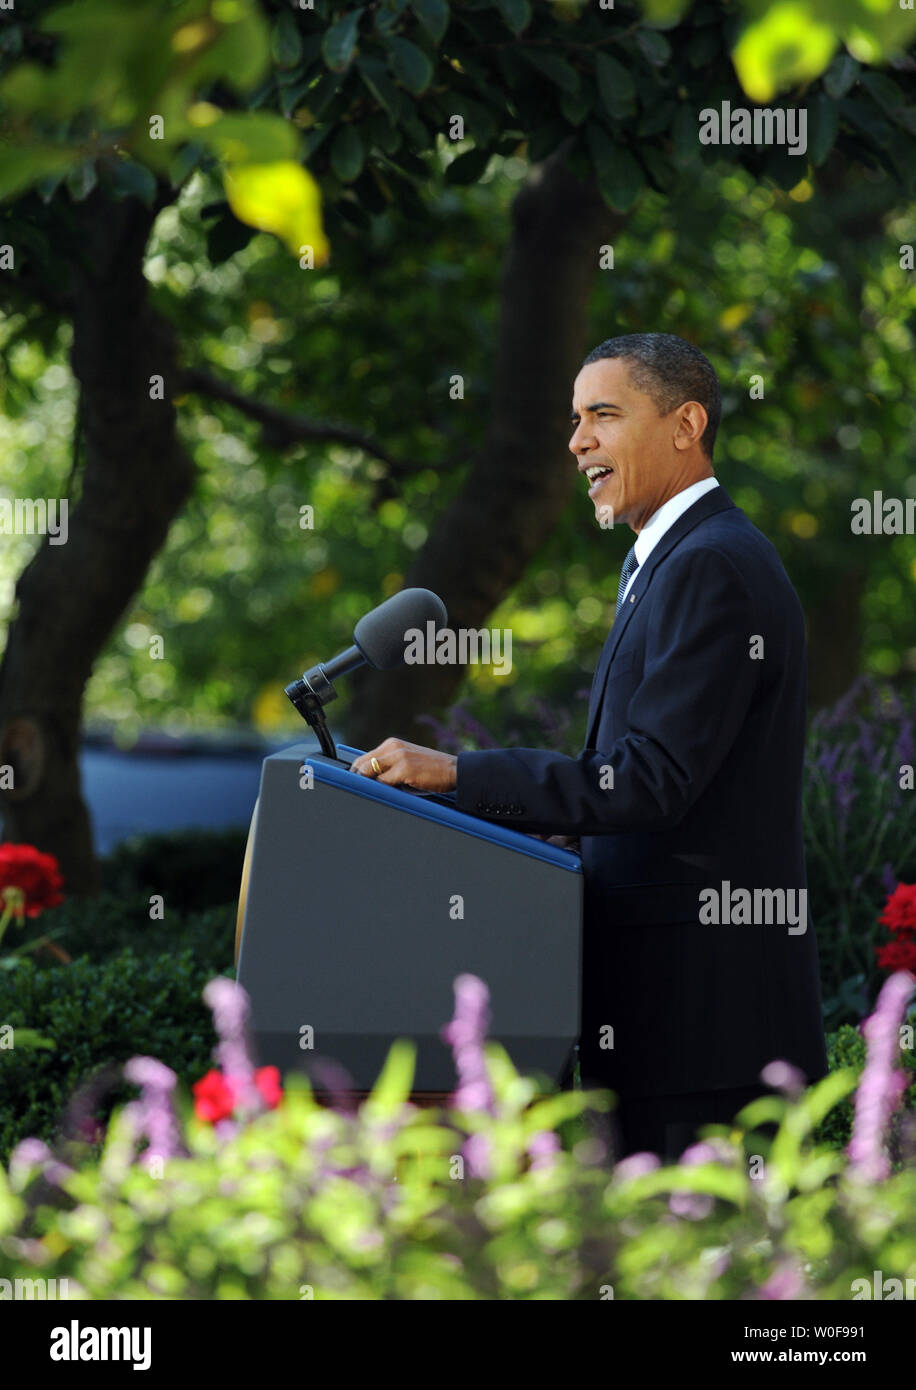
{"points": [[702, 47], [654, 47], [434, 16], [285, 42], [410, 65], [249, 137], [467, 168], [323, 92], [665, 13], [885, 92], [340, 41], [661, 171], [133, 180], [615, 85], [576, 106], [516, 14], [840, 76], [685, 134], [32, 1039], [347, 153], [373, 73], [866, 119], [81, 180], [819, 1099], [619, 176], [788, 45], [560, 72], [382, 134], [544, 140], [392, 1088], [23, 166], [480, 123], [291, 96], [658, 118], [282, 198], [823, 125], [386, 21]]}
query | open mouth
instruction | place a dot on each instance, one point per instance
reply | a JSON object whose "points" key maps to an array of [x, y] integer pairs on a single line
{"points": [[596, 476]]}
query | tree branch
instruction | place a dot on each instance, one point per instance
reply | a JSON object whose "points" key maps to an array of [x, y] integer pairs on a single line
{"points": [[281, 428]]}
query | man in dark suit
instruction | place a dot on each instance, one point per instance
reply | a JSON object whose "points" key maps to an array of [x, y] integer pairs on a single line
{"points": [[699, 960]]}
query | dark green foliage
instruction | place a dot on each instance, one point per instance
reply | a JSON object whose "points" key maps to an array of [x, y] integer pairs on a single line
{"points": [[190, 870], [846, 1048], [97, 1013]]}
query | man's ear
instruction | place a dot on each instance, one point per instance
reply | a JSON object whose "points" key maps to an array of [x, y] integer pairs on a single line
{"points": [[691, 425]]}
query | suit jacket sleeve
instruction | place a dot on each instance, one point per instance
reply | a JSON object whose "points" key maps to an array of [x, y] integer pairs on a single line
{"points": [[698, 682]]}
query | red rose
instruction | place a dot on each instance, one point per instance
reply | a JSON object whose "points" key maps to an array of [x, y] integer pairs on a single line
{"points": [[899, 955], [267, 1080], [215, 1095], [900, 909], [214, 1098], [36, 874]]}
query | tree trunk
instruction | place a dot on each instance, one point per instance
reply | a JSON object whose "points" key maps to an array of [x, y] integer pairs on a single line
{"points": [[70, 596], [515, 490], [846, 216], [835, 638]]}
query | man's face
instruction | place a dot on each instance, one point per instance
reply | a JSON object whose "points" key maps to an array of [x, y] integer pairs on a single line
{"points": [[618, 427]]}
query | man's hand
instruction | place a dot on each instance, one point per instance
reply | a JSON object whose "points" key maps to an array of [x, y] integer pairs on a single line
{"points": [[408, 764]]}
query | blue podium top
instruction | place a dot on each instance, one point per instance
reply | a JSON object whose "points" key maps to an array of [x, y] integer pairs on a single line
{"points": [[425, 806]]}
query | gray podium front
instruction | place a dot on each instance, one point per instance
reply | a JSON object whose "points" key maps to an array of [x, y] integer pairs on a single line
{"points": [[364, 902]]}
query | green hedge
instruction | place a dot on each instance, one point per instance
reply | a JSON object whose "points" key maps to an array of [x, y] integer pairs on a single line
{"points": [[103, 926], [191, 869], [135, 985], [96, 1013], [148, 1001]]}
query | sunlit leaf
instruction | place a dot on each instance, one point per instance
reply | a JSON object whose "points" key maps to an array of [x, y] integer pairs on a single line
{"points": [[282, 198], [784, 47]]}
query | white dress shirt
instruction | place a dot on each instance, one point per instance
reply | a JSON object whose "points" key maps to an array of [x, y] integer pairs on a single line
{"points": [[662, 520]]}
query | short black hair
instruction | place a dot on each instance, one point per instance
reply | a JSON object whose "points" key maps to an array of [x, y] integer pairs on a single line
{"points": [[671, 371]]}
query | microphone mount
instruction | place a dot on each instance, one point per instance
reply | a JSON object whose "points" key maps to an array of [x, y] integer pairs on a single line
{"points": [[309, 694]]}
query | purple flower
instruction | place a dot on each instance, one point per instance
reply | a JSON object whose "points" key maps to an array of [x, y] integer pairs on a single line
{"points": [[786, 1282], [543, 1148], [155, 1112], [696, 1205], [888, 878], [845, 791], [881, 1083], [333, 1078], [466, 1035], [636, 1165], [476, 1154], [782, 1076], [229, 1004], [31, 1154]]}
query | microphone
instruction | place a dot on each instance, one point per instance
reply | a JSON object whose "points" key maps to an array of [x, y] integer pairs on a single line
{"points": [[378, 641]]}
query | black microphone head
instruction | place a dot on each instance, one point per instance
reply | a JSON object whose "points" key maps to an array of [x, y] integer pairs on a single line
{"points": [[380, 634]]}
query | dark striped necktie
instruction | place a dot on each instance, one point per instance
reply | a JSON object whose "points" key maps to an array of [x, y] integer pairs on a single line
{"points": [[630, 566]]}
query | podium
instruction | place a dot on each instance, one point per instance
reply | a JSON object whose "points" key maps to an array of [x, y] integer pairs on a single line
{"points": [[360, 905]]}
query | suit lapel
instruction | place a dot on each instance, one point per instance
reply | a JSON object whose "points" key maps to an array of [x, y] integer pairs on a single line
{"points": [[716, 500]]}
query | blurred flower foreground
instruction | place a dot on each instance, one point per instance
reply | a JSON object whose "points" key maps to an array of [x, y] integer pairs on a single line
{"points": [[252, 1189]]}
